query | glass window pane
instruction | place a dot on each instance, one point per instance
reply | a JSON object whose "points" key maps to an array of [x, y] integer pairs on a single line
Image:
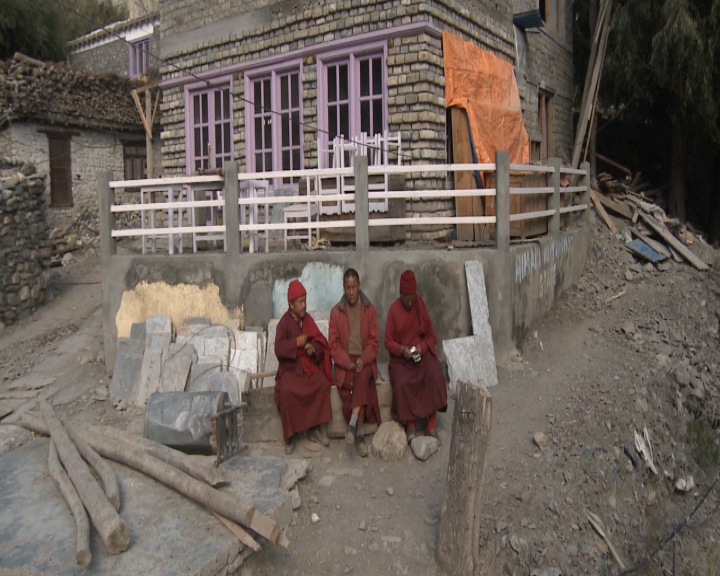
{"points": [[377, 76], [295, 91], [268, 161], [258, 133], [284, 95], [198, 140], [205, 140], [204, 108], [226, 104], [286, 129], [218, 139], [332, 122], [198, 164], [218, 105], [268, 133], [344, 121], [206, 164], [286, 160], [344, 87], [296, 128], [266, 96], [226, 137], [196, 109], [296, 159], [364, 77], [332, 83], [257, 98], [258, 163], [377, 116], [365, 116]]}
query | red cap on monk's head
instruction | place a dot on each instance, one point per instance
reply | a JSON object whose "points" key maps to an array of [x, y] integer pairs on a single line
{"points": [[295, 290], [408, 284]]}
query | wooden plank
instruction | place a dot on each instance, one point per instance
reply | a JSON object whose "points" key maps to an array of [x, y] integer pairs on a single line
{"points": [[136, 99], [462, 153], [654, 244], [617, 207], [603, 214], [239, 533], [673, 242], [614, 164]]}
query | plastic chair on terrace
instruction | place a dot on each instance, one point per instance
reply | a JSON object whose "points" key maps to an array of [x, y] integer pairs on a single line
{"points": [[303, 212]]}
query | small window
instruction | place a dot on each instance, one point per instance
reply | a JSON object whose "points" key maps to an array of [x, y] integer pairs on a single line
{"points": [[135, 159], [139, 56], [60, 170]]}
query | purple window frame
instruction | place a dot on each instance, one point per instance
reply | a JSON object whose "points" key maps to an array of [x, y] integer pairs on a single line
{"points": [[139, 55], [353, 57], [283, 130], [218, 123]]}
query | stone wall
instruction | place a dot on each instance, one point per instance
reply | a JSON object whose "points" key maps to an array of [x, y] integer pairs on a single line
{"points": [[112, 56], [24, 244]]}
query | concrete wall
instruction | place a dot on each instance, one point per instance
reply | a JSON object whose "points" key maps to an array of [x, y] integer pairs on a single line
{"points": [[91, 152], [515, 300]]}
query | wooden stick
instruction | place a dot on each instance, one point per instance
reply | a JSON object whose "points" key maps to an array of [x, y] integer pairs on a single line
{"points": [[101, 467], [673, 242], [217, 501], [614, 164], [615, 297], [603, 214], [112, 528], [136, 99], [82, 536], [239, 533], [597, 524]]}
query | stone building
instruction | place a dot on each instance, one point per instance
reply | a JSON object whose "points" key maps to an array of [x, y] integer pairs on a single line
{"points": [[70, 124], [322, 68]]}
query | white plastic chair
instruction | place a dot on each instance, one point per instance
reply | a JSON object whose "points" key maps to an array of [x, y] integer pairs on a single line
{"points": [[212, 193], [303, 212]]}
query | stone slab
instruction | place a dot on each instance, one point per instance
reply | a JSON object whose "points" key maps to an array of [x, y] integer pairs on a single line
{"points": [[244, 352], [225, 382], [161, 324], [150, 373], [194, 321], [200, 375], [271, 361], [138, 331], [468, 359], [126, 372], [479, 310], [176, 368], [37, 530], [158, 340], [215, 348]]}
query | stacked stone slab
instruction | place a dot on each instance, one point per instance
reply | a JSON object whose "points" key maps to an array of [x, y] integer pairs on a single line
{"points": [[24, 243]]}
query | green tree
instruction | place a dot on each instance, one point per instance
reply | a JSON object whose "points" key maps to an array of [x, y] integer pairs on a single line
{"points": [[40, 28]]}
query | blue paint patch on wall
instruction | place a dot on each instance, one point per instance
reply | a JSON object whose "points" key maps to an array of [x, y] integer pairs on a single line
{"points": [[323, 283]]}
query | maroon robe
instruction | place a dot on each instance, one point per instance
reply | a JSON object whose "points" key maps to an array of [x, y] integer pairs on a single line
{"points": [[418, 389], [302, 383]]}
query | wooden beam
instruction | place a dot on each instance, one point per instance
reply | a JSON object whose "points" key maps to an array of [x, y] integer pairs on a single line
{"points": [[136, 99], [662, 231], [617, 207], [148, 86], [603, 214], [157, 100], [613, 164], [148, 136]]}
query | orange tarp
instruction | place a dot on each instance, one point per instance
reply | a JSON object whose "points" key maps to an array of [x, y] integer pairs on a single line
{"points": [[484, 86]]}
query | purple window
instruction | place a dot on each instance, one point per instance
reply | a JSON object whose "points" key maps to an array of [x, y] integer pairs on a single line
{"points": [[211, 128], [274, 128], [139, 56], [352, 94]]}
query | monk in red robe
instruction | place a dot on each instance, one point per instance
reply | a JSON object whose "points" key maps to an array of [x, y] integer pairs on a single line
{"points": [[303, 380], [418, 383], [354, 340]]}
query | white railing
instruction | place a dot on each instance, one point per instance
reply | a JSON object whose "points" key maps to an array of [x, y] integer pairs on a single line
{"points": [[169, 208]]}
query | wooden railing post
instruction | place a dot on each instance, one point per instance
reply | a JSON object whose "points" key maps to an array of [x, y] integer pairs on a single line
{"points": [[502, 200], [554, 228], [362, 205], [585, 197], [232, 211]]}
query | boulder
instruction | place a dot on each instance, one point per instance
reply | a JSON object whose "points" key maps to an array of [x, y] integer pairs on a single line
{"points": [[389, 442]]}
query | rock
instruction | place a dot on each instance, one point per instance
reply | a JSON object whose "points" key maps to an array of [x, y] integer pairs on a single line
{"points": [[629, 276], [424, 446], [326, 481], [552, 506], [662, 360], [296, 470], [648, 268], [374, 547], [682, 377], [67, 259], [362, 526], [628, 327], [431, 520], [547, 572], [642, 404], [540, 439], [349, 550], [12, 437], [632, 454], [685, 484], [389, 442], [389, 490], [295, 499], [664, 266], [517, 543]]}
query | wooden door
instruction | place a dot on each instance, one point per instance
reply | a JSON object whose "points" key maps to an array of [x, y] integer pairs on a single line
{"points": [[60, 170]]}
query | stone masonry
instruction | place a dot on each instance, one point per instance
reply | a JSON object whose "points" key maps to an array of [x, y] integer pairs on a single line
{"points": [[206, 35], [24, 244]]}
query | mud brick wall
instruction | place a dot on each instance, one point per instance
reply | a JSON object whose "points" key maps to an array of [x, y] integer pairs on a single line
{"points": [[24, 244]]}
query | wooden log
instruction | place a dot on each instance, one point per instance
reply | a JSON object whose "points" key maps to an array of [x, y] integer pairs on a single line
{"points": [[458, 550], [613, 164], [196, 490], [603, 214], [112, 491], [673, 242], [112, 528], [82, 535]]}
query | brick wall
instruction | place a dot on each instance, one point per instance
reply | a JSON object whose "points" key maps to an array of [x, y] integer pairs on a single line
{"points": [[416, 103], [112, 56], [91, 152]]}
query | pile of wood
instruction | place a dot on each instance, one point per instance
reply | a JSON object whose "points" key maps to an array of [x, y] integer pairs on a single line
{"points": [[76, 450], [650, 235], [60, 94]]}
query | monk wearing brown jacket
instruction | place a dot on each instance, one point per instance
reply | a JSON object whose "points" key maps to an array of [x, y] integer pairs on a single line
{"points": [[354, 341]]}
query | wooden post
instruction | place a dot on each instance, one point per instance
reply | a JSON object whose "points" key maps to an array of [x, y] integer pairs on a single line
{"points": [[362, 205], [502, 200], [148, 135], [554, 228], [459, 533]]}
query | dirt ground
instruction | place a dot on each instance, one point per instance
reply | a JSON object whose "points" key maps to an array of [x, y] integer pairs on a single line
{"points": [[592, 373]]}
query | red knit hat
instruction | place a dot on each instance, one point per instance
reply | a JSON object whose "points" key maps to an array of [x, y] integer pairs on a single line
{"points": [[408, 284], [295, 290]]}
